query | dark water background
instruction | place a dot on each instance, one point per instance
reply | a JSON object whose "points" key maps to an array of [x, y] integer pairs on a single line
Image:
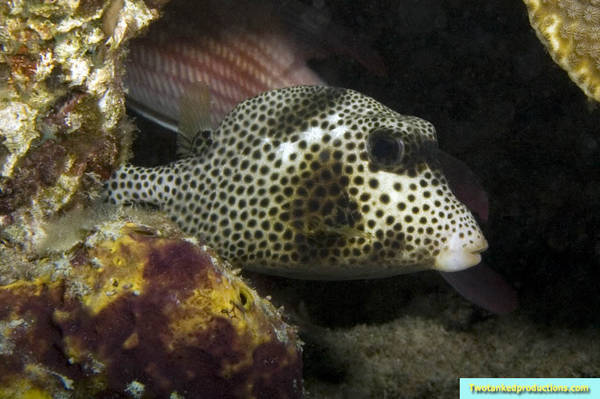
{"points": [[477, 71]]}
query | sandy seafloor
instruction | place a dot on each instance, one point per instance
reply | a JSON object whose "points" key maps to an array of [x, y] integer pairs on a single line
{"points": [[476, 71]]}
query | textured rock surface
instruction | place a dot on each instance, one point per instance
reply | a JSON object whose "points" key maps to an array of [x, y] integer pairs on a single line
{"points": [[570, 30], [61, 104], [143, 312]]}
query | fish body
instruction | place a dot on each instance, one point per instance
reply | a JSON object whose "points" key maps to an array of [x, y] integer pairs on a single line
{"points": [[315, 182]]}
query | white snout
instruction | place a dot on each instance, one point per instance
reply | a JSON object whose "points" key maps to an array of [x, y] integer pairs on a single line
{"points": [[460, 253]]}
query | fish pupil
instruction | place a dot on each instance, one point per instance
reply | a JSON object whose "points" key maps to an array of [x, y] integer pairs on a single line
{"points": [[384, 149]]}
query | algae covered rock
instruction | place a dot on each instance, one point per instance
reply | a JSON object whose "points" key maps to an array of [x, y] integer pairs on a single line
{"points": [[107, 307], [144, 315], [61, 103]]}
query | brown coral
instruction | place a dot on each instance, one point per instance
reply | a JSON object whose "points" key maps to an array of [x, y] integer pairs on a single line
{"points": [[570, 30]]}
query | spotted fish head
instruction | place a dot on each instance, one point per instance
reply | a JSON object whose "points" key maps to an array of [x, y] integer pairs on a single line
{"points": [[343, 186]]}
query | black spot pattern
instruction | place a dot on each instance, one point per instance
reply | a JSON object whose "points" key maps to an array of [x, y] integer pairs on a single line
{"points": [[287, 186]]}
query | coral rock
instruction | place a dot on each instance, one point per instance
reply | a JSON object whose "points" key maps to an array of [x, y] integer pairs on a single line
{"points": [[570, 30], [61, 104], [144, 316]]}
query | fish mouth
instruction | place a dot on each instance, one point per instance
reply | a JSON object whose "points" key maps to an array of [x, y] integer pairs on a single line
{"points": [[460, 253]]}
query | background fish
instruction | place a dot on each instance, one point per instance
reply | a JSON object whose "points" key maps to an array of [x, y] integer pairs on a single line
{"points": [[238, 49]]}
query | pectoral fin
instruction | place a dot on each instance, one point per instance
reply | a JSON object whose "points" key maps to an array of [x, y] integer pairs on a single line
{"points": [[484, 287]]}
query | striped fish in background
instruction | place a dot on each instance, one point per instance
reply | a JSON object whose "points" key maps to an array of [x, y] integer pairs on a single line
{"points": [[237, 48]]}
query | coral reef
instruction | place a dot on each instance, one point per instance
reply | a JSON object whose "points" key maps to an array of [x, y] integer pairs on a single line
{"points": [[93, 302], [61, 104], [570, 30], [144, 313]]}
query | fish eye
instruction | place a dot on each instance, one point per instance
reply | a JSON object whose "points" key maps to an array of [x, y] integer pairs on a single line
{"points": [[385, 148]]}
